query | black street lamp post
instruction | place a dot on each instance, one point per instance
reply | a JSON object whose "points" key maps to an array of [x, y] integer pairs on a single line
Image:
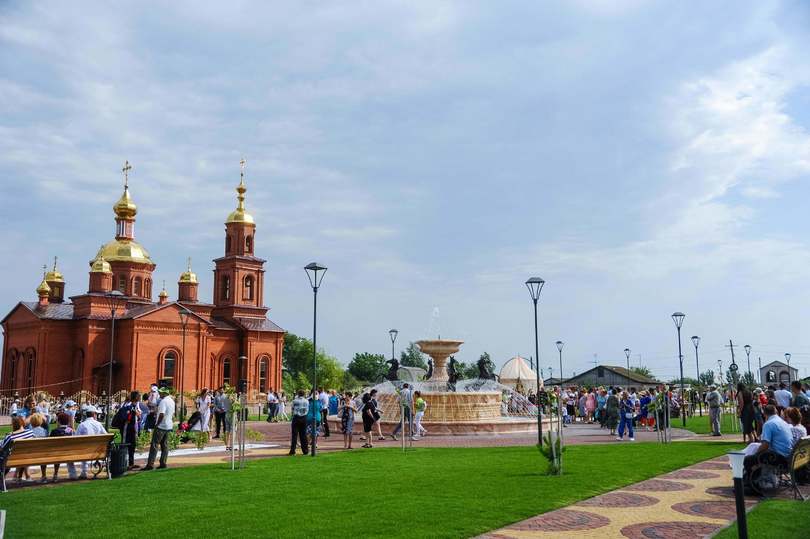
{"points": [[560, 346], [747, 349], [627, 355], [787, 359], [535, 285], [759, 362], [315, 273], [678, 319], [696, 342], [113, 299], [393, 334], [184, 314]]}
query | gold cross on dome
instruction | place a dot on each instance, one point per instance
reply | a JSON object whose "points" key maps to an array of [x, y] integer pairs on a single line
{"points": [[44, 269], [125, 170], [242, 164]]}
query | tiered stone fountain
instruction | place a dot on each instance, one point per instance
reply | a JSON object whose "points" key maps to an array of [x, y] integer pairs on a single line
{"points": [[472, 406]]}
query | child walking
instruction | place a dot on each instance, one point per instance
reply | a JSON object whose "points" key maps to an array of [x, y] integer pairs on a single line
{"points": [[420, 406]]}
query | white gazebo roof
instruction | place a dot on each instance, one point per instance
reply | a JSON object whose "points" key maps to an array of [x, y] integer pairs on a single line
{"points": [[516, 369]]}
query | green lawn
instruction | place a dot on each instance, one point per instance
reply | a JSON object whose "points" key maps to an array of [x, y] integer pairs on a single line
{"points": [[426, 492], [785, 519], [700, 424]]}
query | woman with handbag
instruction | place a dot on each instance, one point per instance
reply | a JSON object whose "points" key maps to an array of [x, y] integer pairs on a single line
{"points": [[626, 409]]}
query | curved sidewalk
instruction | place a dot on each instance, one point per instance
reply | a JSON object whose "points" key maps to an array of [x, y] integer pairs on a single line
{"points": [[696, 501]]}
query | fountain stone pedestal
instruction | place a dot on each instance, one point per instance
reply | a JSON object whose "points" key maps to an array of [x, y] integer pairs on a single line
{"points": [[439, 350]]}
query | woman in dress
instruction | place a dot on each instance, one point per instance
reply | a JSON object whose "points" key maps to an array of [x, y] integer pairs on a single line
{"points": [[745, 411], [346, 411], [282, 407], [590, 405], [204, 407], [369, 417]]}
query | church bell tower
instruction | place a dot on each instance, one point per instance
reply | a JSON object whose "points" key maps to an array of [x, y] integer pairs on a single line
{"points": [[239, 275]]}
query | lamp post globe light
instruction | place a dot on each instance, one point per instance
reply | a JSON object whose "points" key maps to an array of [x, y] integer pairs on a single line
{"points": [[315, 273], [747, 349], [393, 334], [627, 355], [696, 343], [678, 317], [787, 360], [114, 301], [535, 285], [560, 346]]}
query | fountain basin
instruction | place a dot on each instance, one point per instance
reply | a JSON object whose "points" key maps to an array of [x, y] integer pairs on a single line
{"points": [[439, 350]]}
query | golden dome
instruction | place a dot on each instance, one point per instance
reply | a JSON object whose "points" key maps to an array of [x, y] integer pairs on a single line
{"points": [[125, 208], [125, 251], [98, 264], [188, 276], [43, 289], [54, 276], [239, 215], [163, 294]]}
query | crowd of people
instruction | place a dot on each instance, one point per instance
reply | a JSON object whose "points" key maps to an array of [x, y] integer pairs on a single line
{"points": [[309, 416], [152, 412]]}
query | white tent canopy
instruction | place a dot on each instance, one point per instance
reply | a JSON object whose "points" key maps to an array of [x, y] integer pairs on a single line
{"points": [[517, 369]]}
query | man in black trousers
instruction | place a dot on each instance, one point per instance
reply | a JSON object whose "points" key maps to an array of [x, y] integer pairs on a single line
{"points": [[300, 407]]}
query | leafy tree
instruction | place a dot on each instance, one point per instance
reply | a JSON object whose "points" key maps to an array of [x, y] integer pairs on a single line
{"points": [[643, 371], [350, 383], [748, 379], [466, 370], [707, 378], [413, 357], [367, 367], [297, 360]]}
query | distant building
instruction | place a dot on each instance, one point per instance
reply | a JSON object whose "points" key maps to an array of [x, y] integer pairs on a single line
{"points": [[607, 375], [776, 371]]}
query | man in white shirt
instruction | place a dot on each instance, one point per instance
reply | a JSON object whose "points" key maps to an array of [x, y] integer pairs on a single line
{"points": [[160, 436], [323, 397], [272, 405], [782, 396], [89, 427]]}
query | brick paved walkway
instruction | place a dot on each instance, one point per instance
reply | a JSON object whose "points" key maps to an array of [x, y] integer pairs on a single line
{"points": [[692, 502]]}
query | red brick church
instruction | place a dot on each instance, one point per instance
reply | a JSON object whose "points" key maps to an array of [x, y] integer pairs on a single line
{"points": [[62, 347]]}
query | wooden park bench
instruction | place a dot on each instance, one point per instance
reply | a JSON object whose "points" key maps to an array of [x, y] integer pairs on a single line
{"points": [[770, 475], [57, 450]]}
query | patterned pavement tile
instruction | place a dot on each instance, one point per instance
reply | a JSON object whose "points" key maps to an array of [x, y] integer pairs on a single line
{"points": [[619, 499], [670, 530], [658, 485]]}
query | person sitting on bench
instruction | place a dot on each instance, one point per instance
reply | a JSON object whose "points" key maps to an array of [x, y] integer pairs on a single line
{"points": [[776, 439]]}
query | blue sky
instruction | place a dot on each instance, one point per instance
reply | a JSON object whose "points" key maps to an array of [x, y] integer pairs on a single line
{"points": [[642, 157]]}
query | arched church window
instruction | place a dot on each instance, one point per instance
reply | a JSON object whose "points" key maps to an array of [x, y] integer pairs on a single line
{"points": [[263, 374], [225, 287], [227, 244], [12, 363], [148, 288], [122, 284], [138, 287], [249, 244], [248, 292], [31, 356], [226, 371], [169, 367]]}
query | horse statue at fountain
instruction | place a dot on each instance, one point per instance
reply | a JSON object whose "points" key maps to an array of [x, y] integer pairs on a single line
{"points": [[429, 374], [485, 368], [393, 371], [452, 374]]}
